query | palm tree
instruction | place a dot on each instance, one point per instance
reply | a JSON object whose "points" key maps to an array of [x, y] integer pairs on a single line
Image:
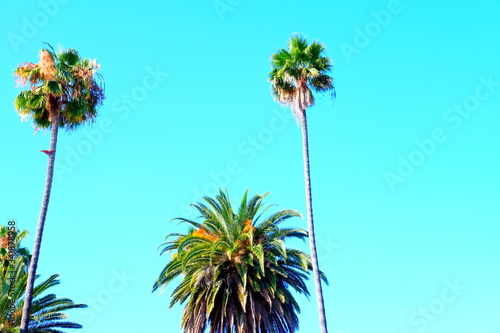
{"points": [[10, 238], [47, 311], [237, 272], [295, 73], [64, 91]]}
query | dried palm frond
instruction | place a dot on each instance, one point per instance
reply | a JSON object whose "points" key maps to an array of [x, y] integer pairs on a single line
{"points": [[47, 66]]}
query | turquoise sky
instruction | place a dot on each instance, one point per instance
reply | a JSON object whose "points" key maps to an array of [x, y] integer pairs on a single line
{"points": [[404, 163]]}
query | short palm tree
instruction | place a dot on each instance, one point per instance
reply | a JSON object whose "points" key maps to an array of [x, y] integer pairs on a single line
{"points": [[10, 237], [295, 73], [47, 315], [64, 91], [47, 311], [237, 272]]}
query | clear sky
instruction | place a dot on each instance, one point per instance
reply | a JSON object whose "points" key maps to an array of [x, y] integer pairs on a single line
{"points": [[404, 164]]}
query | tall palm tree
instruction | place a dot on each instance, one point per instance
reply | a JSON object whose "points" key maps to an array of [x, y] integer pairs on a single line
{"points": [[237, 271], [295, 73], [47, 312], [64, 91]]}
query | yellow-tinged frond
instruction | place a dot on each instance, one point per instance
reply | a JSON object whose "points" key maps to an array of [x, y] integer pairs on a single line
{"points": [[203, 233], [248, 226], [25, 73], [242, 296]]}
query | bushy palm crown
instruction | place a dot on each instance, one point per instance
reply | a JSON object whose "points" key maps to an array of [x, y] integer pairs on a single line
{"points": [[60, 84], [298, 70], [236, 270], [47, 314]]}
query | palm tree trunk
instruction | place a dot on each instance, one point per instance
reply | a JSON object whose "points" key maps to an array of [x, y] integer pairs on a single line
{"points": [[310, 224], [28, 296]]}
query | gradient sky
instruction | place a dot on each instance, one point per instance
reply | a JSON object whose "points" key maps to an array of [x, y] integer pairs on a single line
{"points": [[404, 163]]}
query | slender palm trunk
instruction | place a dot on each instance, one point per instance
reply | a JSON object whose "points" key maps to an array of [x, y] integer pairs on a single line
{"points": [[28, 296], [310, 224]]}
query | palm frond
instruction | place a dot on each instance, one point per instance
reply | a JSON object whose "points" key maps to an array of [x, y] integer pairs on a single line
{"points": [[48, 310]]}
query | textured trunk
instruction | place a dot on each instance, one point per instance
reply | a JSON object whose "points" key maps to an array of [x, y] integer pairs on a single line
{"points": [[310, 224], [28, 296]]}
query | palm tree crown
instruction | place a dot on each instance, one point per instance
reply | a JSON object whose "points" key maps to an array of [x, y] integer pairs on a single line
{"points": [[298, 70], [237, 272], [47, 312], [60, 84]]}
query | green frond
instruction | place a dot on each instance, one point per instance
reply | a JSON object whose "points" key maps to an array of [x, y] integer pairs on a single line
{"points": [[196, 255], [243, 204], [258, 251], [53, 88], [314, 51], [218, 248], [48, 310], [27, 100], [321, 83], [183, 220], [69, 57]]}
